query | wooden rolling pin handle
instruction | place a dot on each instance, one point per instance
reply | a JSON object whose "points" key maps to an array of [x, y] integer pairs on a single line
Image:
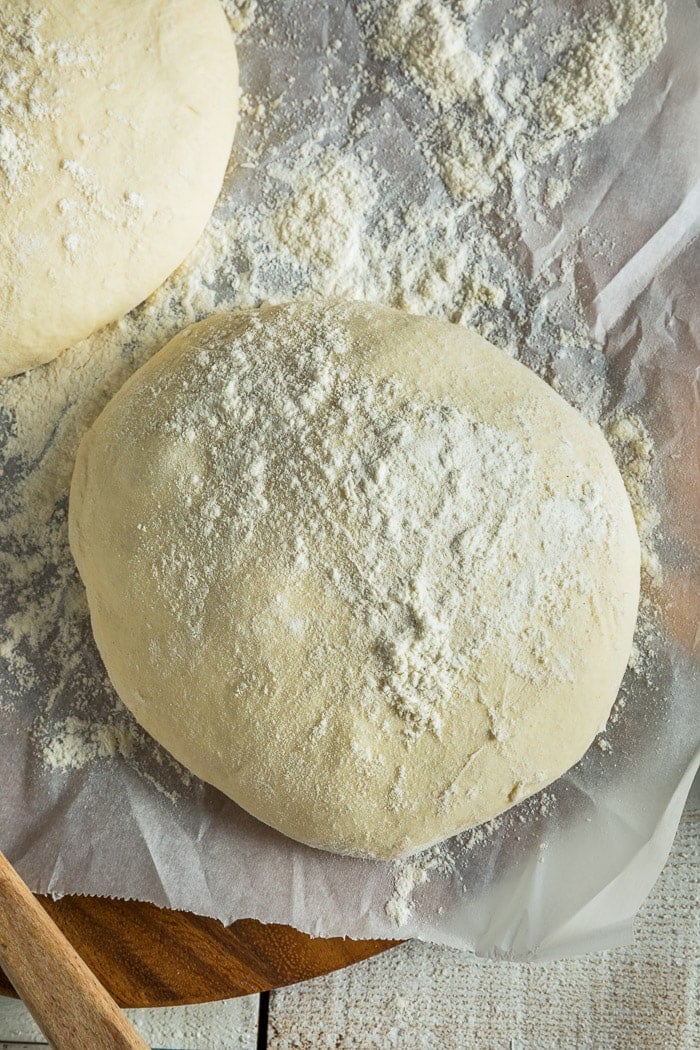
{"points": [[63, 996]]}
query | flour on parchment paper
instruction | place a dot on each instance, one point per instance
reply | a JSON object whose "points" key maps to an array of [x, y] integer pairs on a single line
{"points": [[634, 451], [445, 864], [499, 110], [240, 14], [408, 875], [332, 197]]}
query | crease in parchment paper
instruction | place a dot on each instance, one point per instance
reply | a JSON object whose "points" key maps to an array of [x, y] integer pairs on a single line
{"points": [[652, 258]]}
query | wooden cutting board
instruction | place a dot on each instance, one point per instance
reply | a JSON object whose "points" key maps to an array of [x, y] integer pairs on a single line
{"points": [[148, 956]]}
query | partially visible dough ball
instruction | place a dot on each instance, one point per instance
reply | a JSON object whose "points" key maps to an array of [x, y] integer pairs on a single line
{"points": [[116, 124], [366, 574]]}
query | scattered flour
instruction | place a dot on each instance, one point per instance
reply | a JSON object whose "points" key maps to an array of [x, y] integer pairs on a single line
{"points": [[323, 222], [496, 114], [77, 741], [240, 13], [431, 43], [634, 450], [408, 875], [596, 71], [449, 862]]}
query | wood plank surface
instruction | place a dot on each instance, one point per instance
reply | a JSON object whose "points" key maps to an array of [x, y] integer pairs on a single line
{"points": [[148, 956], [231, 1025], [423, 997]]}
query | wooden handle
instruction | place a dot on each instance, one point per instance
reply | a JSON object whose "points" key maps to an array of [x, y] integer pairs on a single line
{"points": [[63, 996]]}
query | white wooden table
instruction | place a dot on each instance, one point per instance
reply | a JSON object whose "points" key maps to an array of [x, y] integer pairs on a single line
{"points": [[421, 997]]}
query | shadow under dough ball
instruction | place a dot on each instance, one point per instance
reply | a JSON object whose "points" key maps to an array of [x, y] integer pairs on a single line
{"points": [[117, 123], [361, 571]]}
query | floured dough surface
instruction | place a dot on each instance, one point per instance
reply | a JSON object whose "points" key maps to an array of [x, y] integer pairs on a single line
{"points": [[116, 123], [360, 570]]}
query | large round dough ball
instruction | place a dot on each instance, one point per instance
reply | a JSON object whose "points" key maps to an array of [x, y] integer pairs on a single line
{"points": [[360, 570], [116, 123]]}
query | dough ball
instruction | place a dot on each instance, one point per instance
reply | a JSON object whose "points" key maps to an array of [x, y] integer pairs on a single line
{"points": [[116, 123], [360, 570]]}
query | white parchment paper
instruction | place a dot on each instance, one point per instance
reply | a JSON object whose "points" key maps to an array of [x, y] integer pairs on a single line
{"points": [[548, 881]]}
